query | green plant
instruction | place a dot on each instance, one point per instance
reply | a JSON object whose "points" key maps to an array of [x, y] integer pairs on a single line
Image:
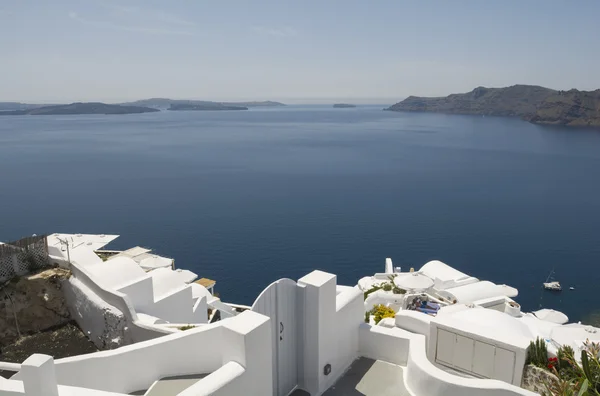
{"points": [[387, 287], [576, 379], [187, 327], [371, 290], [537, 354], [564, 387], [380, 311], [367, 317], [397, 290], [591, 368], [567, 367]]}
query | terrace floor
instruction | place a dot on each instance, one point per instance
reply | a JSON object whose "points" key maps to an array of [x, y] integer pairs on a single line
{"points": [[368, 377]]}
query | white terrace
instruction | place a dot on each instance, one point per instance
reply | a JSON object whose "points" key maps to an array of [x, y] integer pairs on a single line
{"points": [[305, 337], [132, 295]]}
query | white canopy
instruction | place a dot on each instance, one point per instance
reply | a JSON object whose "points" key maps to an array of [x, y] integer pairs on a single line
{"points": [[154, 261], [550, 315], [413, 281]]}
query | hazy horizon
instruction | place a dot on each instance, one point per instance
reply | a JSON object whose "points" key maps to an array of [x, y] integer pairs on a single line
{"points": [[314, 52]]}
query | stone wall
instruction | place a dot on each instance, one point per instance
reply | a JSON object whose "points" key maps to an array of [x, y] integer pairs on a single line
{"points": [[31, 304], [536, 379]]}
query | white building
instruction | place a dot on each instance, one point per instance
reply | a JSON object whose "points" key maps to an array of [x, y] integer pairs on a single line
{"points": [[310, 335], [130, 296]]}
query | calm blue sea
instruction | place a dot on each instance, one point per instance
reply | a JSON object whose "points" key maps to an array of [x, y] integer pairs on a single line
{"points": [[248, 197]]}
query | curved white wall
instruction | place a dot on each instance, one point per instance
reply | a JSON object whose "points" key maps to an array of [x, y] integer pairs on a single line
{"points": [[424, 378], [421, 376]]}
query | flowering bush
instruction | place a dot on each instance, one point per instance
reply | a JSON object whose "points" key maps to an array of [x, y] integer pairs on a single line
{"points": [[574, 378], [380, 311]]}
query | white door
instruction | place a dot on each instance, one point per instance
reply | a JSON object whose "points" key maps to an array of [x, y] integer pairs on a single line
{"points": [[504, 365], [278, 302], [463, 353], [483, 359], [445, 346]]}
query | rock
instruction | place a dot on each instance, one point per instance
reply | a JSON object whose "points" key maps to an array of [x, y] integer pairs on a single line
{"points": [[343, 106], [535, 104], [537, 380], [37, 303], [515, 101], [570, 108], [81, 108]]}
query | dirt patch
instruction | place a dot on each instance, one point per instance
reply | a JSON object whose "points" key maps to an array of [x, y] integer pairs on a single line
{"points": [[64, 341], [31, 304]]}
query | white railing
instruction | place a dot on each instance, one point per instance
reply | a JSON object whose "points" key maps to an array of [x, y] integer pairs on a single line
{"points": [[6, 366]]}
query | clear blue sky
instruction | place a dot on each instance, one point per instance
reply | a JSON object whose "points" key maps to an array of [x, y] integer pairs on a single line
{"points": [[302, 51]]}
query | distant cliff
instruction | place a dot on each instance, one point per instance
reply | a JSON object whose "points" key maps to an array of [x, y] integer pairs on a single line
{"points": [[81, 108], [572, 108], [517, 100], [203, 106], [533, 103], [343, 106], [12, 106], [165, 103]]}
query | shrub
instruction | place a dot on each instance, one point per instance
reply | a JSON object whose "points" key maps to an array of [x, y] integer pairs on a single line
{"points": [[184, 328], [537, 354], [566, 358], [371, 290], [387, 287], [367, 317], [380, 311], [573, 378], [397, 290]]}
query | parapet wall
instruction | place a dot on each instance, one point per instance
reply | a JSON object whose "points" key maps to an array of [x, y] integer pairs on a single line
{"points": [[421, 376]]}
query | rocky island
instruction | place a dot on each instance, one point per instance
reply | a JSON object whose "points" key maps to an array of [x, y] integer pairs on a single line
{"points": [[165, 103], [203, 106], [81, 108], [532, 103], [11, 106], [343, 106]]}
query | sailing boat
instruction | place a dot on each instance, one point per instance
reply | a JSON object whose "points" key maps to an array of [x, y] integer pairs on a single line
{"points": [[552, 285]]}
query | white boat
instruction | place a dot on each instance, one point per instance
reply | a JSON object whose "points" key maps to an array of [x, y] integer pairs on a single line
{"points": [[552, 285]]}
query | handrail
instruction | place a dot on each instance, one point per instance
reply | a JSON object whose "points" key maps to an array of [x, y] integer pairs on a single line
{"points": [[6, 366]]}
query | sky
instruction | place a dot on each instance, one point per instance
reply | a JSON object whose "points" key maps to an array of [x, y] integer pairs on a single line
{"points": [[309, 51]]}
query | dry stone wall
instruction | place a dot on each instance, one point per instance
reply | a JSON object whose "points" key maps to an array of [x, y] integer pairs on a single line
{"points": [[536, 379]]}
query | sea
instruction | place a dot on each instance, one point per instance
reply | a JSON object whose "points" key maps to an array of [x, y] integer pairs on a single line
{"points": [[249, 197]]}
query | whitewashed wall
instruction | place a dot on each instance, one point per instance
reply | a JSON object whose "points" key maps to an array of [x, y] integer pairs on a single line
{"points": [[349, 314], [330, 330], [244, 340], [382, 343], [96, 308], [102, 323], [421, 376]]}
